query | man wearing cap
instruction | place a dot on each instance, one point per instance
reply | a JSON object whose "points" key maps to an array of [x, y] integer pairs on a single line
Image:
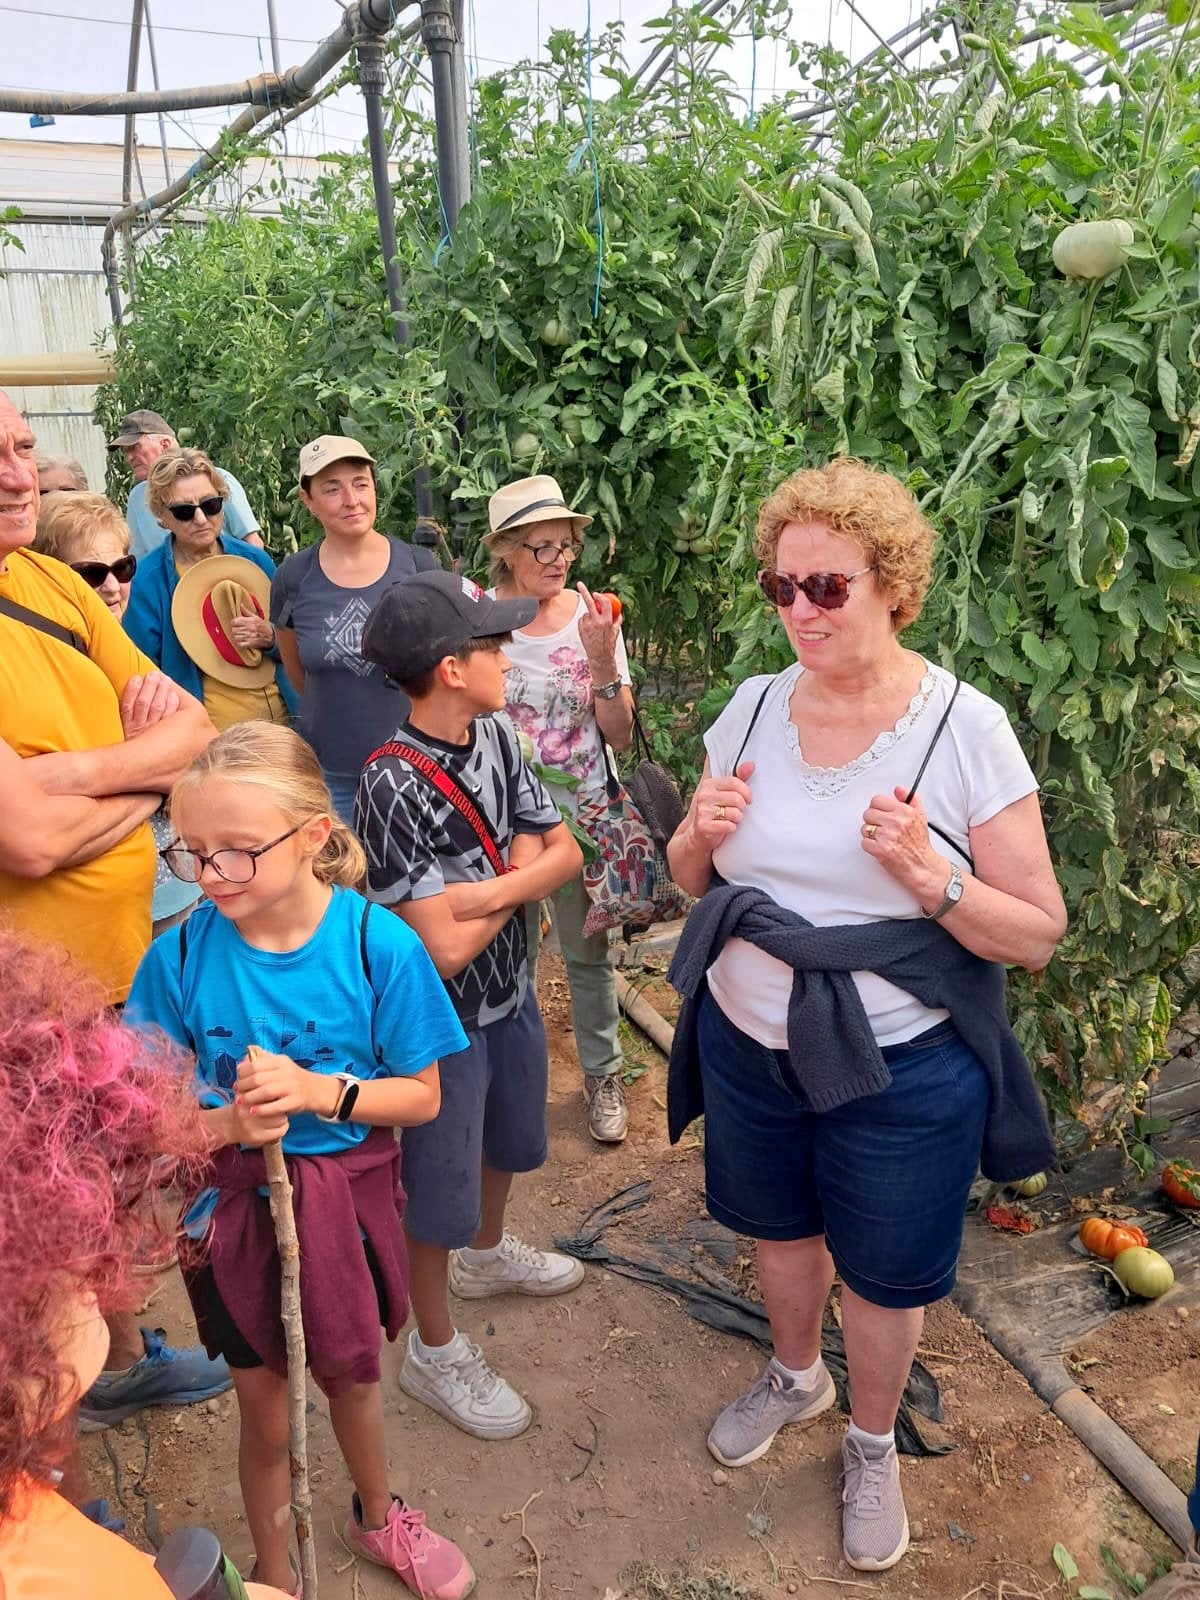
{"points": [[141, 439], [460, 835], [91, 737], [320, 599]]}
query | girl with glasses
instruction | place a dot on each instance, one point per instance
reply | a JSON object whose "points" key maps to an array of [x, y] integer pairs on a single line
{"points": [[89, 534], [317, 1020], [568, 692], [187, 494]]}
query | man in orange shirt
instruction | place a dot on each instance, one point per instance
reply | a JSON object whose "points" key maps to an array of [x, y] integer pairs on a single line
{"points": [[91, 738]]}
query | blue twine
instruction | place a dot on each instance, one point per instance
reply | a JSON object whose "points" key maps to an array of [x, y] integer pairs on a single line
{"points": [[591, 145], [753, 57]]}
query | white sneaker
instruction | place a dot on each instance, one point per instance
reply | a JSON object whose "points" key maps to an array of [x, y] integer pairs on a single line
{"points": [[459, 1385], [516, 1268]]}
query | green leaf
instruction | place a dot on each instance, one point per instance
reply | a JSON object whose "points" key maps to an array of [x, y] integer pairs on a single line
{"points": [[1178, 213], [1128, 420], [1062, 1557], [1165, 547], [1122, 343], [1089, 1591]]}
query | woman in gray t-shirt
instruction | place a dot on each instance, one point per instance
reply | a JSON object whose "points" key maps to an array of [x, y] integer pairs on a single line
{"points": [[320, 598]]}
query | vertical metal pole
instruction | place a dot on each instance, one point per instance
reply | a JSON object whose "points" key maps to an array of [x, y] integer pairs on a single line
{"points": [[273, 26], [162, 126], [458, 66], [371, 82], [437, 34], [135, 45]]}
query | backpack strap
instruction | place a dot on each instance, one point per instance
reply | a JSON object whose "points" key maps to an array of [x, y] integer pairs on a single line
{"points": [[937, 734], [762, 700], [34, 619], [438, 778]]}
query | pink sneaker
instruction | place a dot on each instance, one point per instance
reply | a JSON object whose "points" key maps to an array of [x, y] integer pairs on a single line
{"points": [[431, 1566]]}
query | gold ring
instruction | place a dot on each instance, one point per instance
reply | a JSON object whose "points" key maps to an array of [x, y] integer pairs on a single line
{"points": [[718, 813], [870, 829]]}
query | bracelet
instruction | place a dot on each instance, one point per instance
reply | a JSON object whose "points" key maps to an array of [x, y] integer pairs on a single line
{"points": [[607, 691]]}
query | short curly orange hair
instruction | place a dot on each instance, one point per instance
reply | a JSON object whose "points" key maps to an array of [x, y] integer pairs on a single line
{"points": [[870, 509]]}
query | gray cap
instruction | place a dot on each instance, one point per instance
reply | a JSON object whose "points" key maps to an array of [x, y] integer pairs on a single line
{"points": [[140, 425]]}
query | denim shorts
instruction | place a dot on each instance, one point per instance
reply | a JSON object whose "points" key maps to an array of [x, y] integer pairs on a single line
{"points": [[493, 1110], [885, 1178]]}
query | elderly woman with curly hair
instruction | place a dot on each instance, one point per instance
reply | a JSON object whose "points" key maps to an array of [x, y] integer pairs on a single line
{"points": [[94, 1135], [869, 846]]}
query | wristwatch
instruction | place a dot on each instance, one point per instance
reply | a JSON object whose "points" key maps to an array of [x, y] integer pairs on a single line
{"points": [[607, 691], [953, 894], [346, 1100]]}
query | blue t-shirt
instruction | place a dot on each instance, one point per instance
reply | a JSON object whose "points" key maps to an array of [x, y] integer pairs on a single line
{"points": [[313, 1004], [146, 532]]}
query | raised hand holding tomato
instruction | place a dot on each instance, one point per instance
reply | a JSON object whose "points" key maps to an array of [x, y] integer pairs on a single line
{"points": [[598, 629]]}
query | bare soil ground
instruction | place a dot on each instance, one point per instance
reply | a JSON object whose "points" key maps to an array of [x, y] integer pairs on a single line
{"points": [[613, 1478]]}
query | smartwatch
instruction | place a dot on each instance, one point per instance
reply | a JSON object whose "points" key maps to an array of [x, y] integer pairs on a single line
{"points": [[953, 894], [346, 1100]]}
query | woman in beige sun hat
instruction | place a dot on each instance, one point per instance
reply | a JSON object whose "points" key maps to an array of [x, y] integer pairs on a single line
{"points": [[568, 692], [226, 653]]}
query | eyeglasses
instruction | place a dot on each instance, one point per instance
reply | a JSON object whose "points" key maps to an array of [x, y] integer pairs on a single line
{"points": [[210, 505], [829, 590], [95, 573], [235, 866], [547, 554]]}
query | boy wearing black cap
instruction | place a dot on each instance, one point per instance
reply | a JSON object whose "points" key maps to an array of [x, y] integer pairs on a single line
{"points": [[459, 836]]}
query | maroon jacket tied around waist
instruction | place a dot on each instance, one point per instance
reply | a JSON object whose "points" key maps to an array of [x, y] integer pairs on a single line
{"points": [[337, 1200]]}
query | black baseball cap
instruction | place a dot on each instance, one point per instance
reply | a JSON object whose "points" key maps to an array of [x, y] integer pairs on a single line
{"points": [[421, 620]]}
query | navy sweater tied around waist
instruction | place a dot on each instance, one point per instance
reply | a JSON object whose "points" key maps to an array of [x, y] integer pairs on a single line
{"points": [[832, 1056]]}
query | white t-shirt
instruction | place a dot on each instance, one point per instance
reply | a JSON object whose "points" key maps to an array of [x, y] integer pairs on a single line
{"points": [[550, 698], [801, 838]]}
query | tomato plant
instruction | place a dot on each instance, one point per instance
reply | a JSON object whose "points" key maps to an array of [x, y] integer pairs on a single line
{"points": [[768, 298]]}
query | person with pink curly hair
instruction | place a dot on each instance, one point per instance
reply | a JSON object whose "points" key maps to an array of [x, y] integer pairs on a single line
{"points": [[95, 1128]]}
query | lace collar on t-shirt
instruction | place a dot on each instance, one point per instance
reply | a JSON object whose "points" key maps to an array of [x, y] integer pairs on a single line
{"points": [[825, 782]]}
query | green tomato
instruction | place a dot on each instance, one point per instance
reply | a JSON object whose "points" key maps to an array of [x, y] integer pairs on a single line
{"points": [[571, 424], [1030, 1188], [1143, 1272], [554, 332], [683, 546], [525, 446], [702, 547]]}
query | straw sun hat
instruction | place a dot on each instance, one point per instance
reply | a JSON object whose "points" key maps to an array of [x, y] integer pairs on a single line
{"points": [[528, 500], [207, 598]]}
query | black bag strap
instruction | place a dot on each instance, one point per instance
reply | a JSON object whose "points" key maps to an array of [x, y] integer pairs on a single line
{"points": [[762, 700], [937, 734], [640, 740], [34, 619]]}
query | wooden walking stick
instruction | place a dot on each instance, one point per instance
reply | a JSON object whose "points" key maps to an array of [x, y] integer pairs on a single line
{"points": [[284, 1218]]}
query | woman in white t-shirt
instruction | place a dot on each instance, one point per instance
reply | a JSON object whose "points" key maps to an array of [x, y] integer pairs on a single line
{"points": [[806, 795], [568, 693]]}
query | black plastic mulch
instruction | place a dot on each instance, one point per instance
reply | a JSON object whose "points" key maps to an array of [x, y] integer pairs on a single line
{"points": [[711, 1298]]}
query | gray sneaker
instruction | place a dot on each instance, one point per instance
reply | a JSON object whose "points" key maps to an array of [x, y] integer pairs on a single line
{"points": [[608, 1114], [874, 1521], [746, 1429]]}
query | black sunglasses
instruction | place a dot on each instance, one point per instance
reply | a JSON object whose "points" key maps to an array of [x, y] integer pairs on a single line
{"points": [[828, 590], [95, 573], [210, 505]]}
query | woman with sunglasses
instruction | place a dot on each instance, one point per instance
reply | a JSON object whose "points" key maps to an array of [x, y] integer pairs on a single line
{"points": [[187, 495], [90, 535], [568, 692], [845, 1031]]}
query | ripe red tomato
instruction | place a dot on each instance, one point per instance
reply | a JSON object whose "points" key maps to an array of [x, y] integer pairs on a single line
{"points": [[1109, 1239], [614, 601], [1182, 1184]]}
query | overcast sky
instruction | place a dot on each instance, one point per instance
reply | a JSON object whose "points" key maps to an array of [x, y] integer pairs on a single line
{"points": [[84, 44]]}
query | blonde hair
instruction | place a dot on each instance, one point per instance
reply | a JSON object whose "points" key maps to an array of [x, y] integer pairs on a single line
{"points": [[276, 758], [66, 521], [871, 510], [173, 465], [44, 461], [499, 547]]}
